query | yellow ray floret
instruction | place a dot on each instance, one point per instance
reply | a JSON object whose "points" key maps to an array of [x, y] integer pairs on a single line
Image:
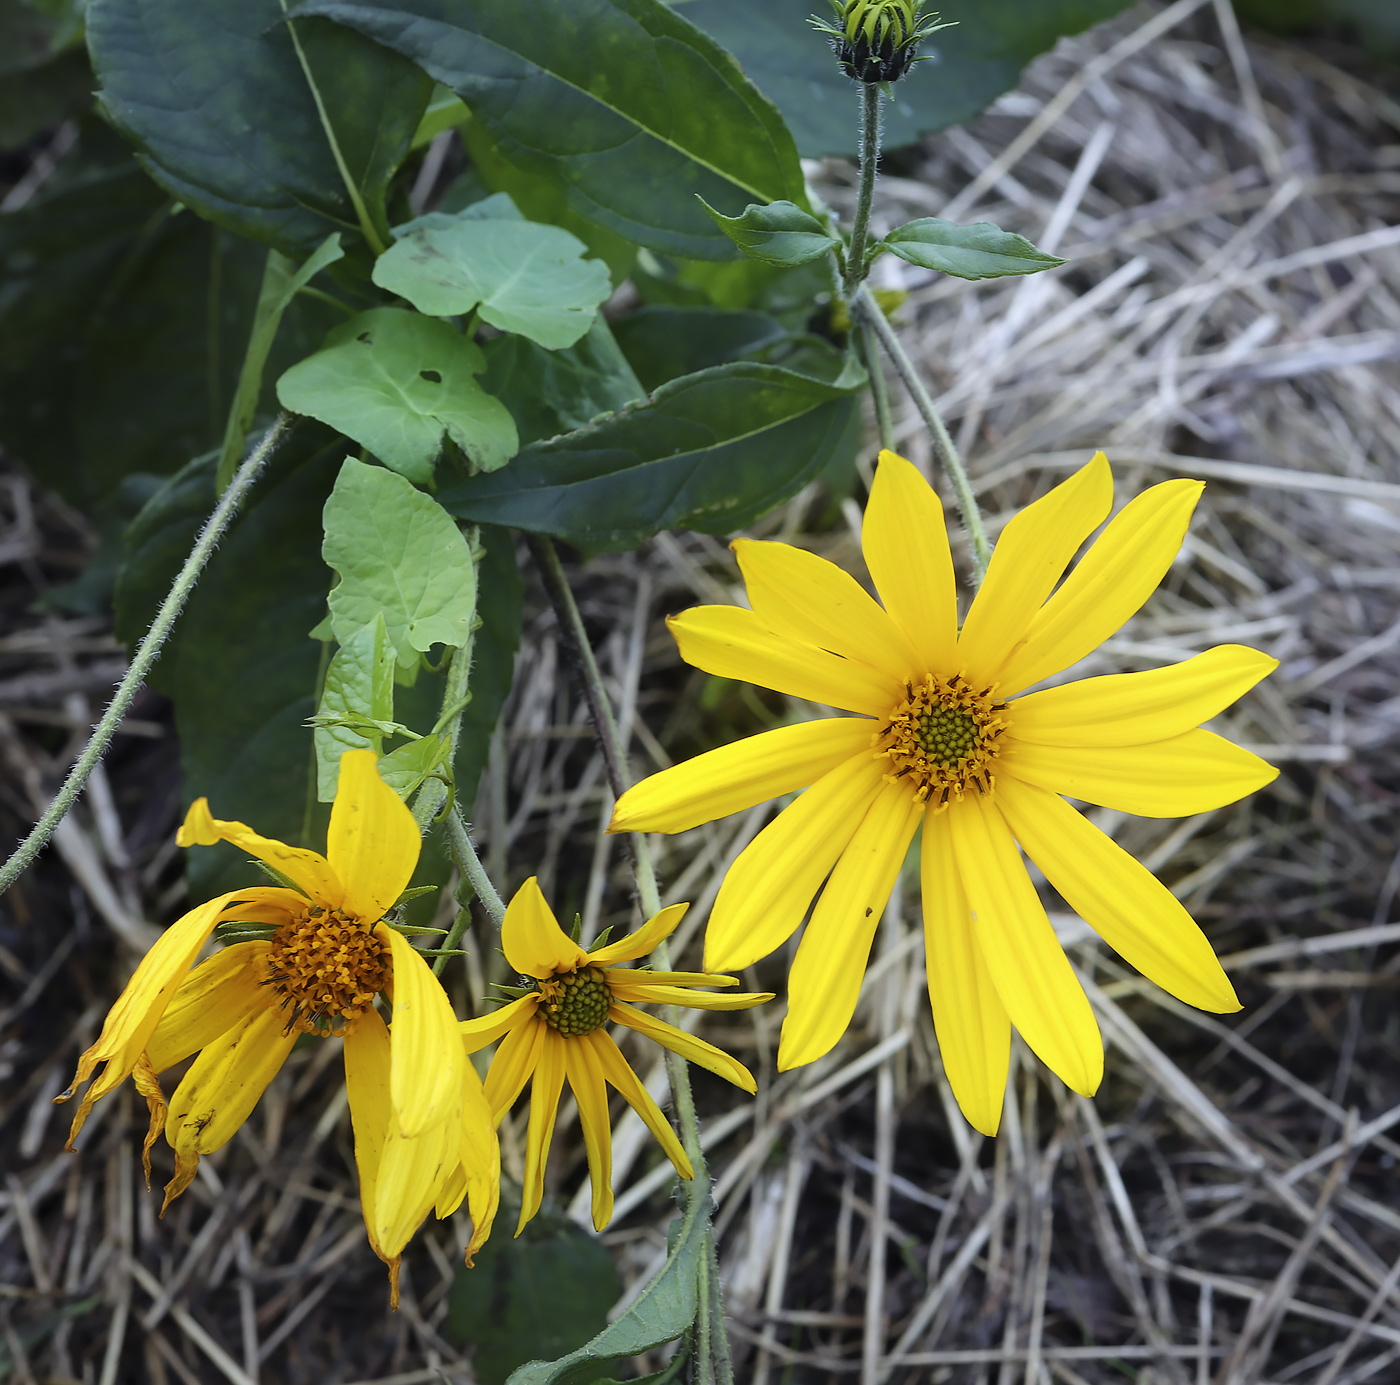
{"points": [[942, 737], [554, 1033]]}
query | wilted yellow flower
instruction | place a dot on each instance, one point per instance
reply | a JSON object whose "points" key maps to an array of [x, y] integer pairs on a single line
{"points": [[422, 1128], [556, 1031], [943, 739]]}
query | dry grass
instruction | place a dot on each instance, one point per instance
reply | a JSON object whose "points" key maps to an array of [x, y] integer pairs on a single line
{"points": [[1223, 1211]]}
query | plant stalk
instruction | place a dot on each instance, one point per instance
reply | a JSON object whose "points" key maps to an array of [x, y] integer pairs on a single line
{"points": [[870, 117], [879, 393], [146, 652]]}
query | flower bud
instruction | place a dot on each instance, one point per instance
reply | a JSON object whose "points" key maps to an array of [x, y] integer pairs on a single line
{"points": [[876, 40]]}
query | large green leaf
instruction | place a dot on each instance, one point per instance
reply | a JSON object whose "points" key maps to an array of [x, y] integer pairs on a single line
{"points": [[214, 96], [396, 382], [664, 342], [711, 451], [623, 103], [969, 65], [32, 34], [39, 97]]}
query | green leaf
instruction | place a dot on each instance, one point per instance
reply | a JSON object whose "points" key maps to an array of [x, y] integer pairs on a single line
{"points": [[360, 685], [664, 342], [979, 251], [518, 275], [661, 1312], [623, 104], [404, 769], [445, 112], [32, 34], [781, 233], [399, 556], [282, 281], [396, 381], [711, 451], [969, 65], [39, 97], [216, 100]]}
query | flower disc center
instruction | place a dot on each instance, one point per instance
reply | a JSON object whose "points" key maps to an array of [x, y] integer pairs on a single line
{"points": [[328, 966], [575, 1002], [942, 738]]}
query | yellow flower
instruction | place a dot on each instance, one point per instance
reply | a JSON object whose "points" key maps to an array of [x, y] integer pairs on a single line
{"points": [[556, 1031], [953, 746], [422, 1128]]}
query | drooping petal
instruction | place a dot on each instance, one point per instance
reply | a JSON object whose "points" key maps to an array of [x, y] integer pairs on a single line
{"points": [[585, 1074], [1108, 585], [1031, 972], [1174, 778], [646, 939], [616, 1070], [133, 1018], [1135, 708], [803, 597], [545, 1087], [973, 1029], [426, 1075], [640, 976], [694, 1000], [486, 1029], [366, 1055], [214, 997], [411, 1175], [221, 1088], [309, 871], [512, 1064], [768, 888], [905, 541], [735, 643], [687, 1045], [738, 776], [531, 938], [373, 841], [824, 983], [143, 1075], [1030, 557], [1119, 898], [478, 1175]]}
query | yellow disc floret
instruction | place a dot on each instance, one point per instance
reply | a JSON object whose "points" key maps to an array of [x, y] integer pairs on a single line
{"points": [[942, 738], [328, 966], [575, 1002]]}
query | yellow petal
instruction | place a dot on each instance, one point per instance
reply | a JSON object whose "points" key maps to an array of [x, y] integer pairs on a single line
{"points": [[805, 598], [133, 1018], [411, 1175], [1031, 973], [545, 1087], [1167, 779], [215, 996], [585, 1074], [1109, 583], [687, 1045], [1134, 708], [373, 841], [640, 976], [367, 1060], [824, 983], [739, 775], [143, 1075], [646, 939], [426, 1077], [616, 1070], [734, 643], [973, 1029], [1120, 899], [512, 1065], [905, 540], [308, 870], [769, 887], [694, 1000], [531, 938], [486, 1029], [480, 1166], [1030, 557], [221, 1088]]}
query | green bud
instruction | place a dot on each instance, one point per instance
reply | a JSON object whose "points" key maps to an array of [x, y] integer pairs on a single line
{"points": [[876, 40]]}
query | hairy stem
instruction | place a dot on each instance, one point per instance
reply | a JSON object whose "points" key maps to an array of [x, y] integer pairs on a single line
{"points": [[867, 312], [884, 423], [459, 843], [146, 652], [870, 116]]}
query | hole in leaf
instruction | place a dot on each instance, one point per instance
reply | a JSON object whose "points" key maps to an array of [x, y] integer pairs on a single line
{"points": [[366, 338], [430, 375]]}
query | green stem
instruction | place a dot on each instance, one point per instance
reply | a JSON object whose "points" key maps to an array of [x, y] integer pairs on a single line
{"points": [[870, 115], [878, 392], [459, 843], [867, 312], [146, 653]]}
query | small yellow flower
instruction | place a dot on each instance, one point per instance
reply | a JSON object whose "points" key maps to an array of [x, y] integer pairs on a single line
{"points": [[422, 1128], [944, 739], [556, 1032]]}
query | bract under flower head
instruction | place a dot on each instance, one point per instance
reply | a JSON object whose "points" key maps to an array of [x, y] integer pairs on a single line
{"points": [[877, 40], [946, 737]]}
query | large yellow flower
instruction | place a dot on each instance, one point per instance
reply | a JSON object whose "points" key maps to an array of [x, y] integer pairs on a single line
{"points": [[556, 1031], [423, 1132], [952, 746]]}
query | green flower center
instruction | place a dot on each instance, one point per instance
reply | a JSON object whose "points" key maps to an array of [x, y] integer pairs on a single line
{"points": [[575, 1002]]}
